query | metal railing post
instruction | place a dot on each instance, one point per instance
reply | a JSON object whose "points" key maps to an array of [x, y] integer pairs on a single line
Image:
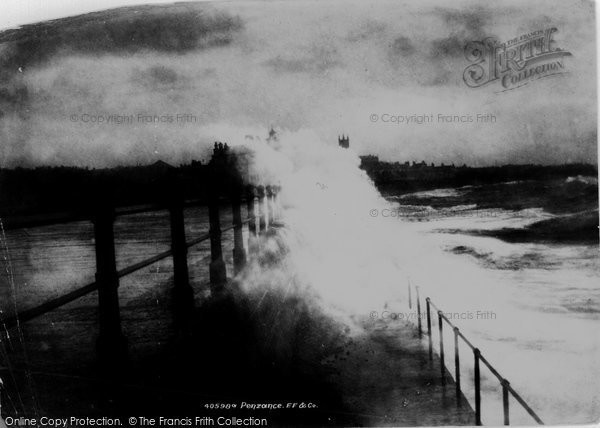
{"points": [[505, 385], [457, 367], [429, 329], [409, 296], [419, 314], [239, 254], [442, 364], [111, 343], [477, 355]]}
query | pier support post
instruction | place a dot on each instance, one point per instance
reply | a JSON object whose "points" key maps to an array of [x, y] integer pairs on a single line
{"points": [[442, 357], [477, 355], [262, 209], [277, 201], [111, 343], [218, 272], [183, 294], [251, 207], [270, 190], [428, 304], [239, 254], [505, 385], [457, 367]]}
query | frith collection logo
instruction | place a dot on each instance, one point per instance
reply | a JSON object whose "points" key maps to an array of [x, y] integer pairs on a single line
{"points": [[516, 62]]}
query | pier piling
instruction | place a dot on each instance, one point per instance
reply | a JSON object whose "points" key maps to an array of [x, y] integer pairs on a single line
{"points": [[251, 208], [271, 203], [217, 270], [262, 209], [111, 343], [182, 291], [239, 254]]}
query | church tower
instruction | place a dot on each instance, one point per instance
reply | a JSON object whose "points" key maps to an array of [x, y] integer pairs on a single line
{"points": [[344, 141]]}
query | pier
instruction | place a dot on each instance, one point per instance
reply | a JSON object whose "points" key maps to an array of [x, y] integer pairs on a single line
{"points": [[197, 344]]}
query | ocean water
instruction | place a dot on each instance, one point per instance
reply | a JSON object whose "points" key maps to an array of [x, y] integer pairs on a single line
{"points": [[533, 308]]}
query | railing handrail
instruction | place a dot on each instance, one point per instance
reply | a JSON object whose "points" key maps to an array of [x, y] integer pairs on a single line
{"points": [[61, 217], [262, 208], [507, 388], [57, 302]]}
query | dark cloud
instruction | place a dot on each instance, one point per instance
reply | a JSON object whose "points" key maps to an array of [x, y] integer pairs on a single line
{"points": [[446, 56], [318, 60], [177, 28], [125, 30], [452, 46], [159, 75], [463, 27], [472, 22], [366, 31], [401, 46], [539, 22]]}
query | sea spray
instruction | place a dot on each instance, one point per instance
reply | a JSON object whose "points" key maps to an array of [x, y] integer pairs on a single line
{"points": [[345, 263], [354, 261]]}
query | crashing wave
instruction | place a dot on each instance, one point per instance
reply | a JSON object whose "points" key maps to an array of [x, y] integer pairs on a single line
{"points": [[582, 179], [436, 193]]}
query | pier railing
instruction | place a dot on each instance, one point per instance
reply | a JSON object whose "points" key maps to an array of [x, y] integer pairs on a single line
{"points": [[478, 359], [261, 202]]}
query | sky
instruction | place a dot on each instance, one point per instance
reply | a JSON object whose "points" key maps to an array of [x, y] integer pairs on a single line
{"points": [[236, 68], [20, 12]]}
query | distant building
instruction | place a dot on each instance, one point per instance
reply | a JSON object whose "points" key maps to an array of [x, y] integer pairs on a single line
{"points": [[220, 149], [368, 161], [344, 141], [161, 166], [386, 172], [272, 136]]}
